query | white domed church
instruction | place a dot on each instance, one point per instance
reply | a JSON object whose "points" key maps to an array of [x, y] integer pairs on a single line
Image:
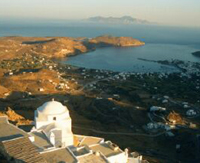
{"points": [[54, 120], [51, 141]]}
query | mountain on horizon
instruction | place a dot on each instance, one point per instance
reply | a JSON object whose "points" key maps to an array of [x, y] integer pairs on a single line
{"points": [[117, 20]]}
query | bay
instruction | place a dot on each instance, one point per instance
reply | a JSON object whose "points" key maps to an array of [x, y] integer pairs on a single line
{"points": [[162, 43]]}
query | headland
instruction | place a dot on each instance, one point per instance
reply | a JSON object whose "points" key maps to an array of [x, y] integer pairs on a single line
{"points": [[197, 54]]}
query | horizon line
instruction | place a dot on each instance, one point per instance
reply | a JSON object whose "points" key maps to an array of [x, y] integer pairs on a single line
{"points": [[15, 18]]}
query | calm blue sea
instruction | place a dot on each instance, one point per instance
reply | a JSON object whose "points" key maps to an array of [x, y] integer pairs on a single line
{"points": [[162, 43]]}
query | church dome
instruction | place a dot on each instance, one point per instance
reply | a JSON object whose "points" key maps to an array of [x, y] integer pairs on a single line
{"points": [[52, 108]]}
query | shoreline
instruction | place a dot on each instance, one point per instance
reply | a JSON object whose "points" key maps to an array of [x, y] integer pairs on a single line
{"points": [[104, 100]]}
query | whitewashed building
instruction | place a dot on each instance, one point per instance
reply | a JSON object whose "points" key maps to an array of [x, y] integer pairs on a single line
{"points": [[52, 141], [54, 120]]}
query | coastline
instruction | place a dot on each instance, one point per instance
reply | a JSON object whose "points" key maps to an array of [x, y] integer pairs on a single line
{"points": [[112, 101], [196, 54]]}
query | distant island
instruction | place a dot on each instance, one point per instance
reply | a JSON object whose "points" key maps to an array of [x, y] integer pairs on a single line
{"points": [[197, 54], [117, 20]]}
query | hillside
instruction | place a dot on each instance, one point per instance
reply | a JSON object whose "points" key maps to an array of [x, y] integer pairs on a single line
{"points": [[57, 47], [107, 40], [103, 102]]}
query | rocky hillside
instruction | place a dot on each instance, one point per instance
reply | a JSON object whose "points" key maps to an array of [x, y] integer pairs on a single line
{"points": [[106, 40], [14, 117], [103, 102], [57, 47], [54, 47]]}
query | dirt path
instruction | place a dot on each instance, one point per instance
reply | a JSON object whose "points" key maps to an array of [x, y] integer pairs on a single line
{"points": [[119, 133]]}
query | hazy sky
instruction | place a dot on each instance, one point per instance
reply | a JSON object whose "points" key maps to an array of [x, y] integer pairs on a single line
{"points": [[171, 12]]}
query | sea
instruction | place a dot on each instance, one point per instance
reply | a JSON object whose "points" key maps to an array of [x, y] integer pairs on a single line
{"points": [[161, 43]]}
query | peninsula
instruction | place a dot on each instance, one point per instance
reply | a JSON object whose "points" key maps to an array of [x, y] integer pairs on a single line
{"points": [[107, 40], [59, 47], [197, 54]]}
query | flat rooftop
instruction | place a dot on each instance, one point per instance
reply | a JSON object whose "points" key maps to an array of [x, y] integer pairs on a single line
{"points": [[92, 158], [81, 151], [41, 140], [88, 140], [59, 155], [106, 149]]}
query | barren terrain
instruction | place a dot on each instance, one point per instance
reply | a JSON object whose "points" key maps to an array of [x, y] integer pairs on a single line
{"points": [[102, 103]]}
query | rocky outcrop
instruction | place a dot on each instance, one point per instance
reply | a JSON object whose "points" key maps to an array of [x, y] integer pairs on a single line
{"points": [[106, 40], [3, 91], [197, 54], [14, 117]]}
